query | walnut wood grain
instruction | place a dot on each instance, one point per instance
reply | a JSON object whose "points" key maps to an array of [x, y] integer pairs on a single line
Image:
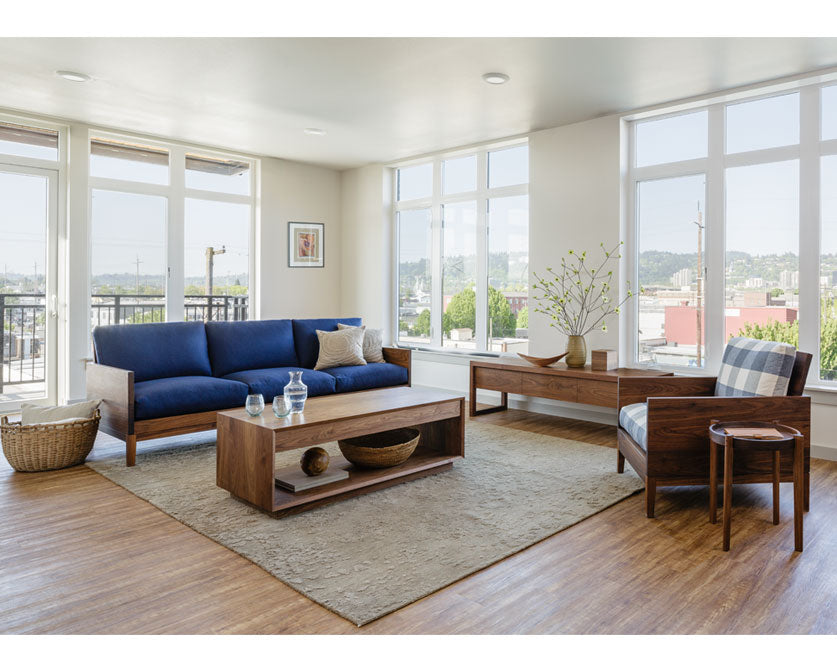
{"points": [[636, 390], [246, 445], [559, 382], [799, 374], [115, 387]]}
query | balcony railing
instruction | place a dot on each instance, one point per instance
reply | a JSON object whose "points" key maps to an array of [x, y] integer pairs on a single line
{"points": [[23, 325]]}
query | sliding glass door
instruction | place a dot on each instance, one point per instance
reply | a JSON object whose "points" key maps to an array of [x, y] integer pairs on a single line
{"points": [[28, 300]]}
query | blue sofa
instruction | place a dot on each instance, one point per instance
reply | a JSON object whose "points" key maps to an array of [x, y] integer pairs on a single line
{"points": [[172, 378]]}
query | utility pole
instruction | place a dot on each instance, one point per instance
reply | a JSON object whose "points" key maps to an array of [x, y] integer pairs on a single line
{"points": [[210, 266], [35, 291], [138, 262], [700, 227]]}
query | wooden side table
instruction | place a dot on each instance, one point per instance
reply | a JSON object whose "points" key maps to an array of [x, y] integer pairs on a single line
{"points": [[791, 438]]}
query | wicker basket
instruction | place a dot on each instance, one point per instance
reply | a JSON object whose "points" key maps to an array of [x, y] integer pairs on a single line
{"points": [[47, 447], [385, 449]]}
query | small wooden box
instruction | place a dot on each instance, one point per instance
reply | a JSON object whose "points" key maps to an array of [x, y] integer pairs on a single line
{"points": [[604, 360]]}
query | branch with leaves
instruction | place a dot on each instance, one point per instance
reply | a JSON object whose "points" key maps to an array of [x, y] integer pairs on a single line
{"points": [[577, 299]]}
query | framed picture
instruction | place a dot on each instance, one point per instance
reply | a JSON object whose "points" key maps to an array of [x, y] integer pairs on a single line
{"points": [[305, 245]]}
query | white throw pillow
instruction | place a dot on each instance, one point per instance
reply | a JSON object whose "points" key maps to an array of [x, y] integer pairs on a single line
{"points": [[343, 347], [33, 414], [373, 342]]}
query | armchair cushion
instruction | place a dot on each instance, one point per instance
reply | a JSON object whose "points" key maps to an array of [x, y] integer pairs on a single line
{"points": [[753, 368], [634, 420]]}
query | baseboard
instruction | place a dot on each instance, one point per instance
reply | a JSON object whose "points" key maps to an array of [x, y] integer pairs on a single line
{"points": [[824, 452], [535, 405]]}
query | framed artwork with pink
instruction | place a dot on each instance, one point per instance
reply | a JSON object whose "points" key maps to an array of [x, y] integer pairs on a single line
{"points": [[305, 245]]}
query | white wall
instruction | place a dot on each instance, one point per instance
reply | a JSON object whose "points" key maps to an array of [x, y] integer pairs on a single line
{"points": [[298, 192], [367, 250], [574, 204]]}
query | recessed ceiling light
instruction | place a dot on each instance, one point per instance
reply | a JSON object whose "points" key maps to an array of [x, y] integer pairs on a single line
{"points": [[314, 131], [495, 77], [73, 76]]}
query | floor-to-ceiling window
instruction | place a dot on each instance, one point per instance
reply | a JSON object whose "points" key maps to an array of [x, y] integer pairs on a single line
{"points": [[29, 170], [462, 226], [171, 232], [733, 227]]}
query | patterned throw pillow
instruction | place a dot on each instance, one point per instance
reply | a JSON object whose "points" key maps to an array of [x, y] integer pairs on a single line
{"points": [[753, 368], [343, 347], [373, 342]]}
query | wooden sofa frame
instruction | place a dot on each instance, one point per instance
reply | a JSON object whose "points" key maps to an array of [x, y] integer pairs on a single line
{"points": [[680, 410], [115, 387]]}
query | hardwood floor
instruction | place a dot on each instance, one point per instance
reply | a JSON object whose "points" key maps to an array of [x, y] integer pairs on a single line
{"points": [[78, 554]]}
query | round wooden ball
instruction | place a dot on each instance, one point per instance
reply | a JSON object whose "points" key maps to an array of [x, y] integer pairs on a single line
{"points": [[314, 461]]}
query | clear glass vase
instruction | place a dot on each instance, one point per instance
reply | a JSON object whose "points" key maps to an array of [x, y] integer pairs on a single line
{"points": [[296, 392]]}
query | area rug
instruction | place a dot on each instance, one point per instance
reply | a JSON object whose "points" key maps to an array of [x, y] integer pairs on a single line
{"points": [[368, 556]]}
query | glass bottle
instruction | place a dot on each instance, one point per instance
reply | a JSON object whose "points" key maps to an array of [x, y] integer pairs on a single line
{"points": [[296, 392]]}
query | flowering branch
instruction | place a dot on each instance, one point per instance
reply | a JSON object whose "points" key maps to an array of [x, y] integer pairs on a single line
{"points": [[577, 300]]}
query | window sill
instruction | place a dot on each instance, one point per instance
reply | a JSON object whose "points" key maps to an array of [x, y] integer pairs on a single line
{"points": [[444, 357]]}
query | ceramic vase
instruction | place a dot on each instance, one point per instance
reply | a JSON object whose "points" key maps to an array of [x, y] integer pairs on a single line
{"points": [[576, 352]]}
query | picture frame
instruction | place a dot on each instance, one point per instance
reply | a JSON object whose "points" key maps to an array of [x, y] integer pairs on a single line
{"points": [[306, 244]]}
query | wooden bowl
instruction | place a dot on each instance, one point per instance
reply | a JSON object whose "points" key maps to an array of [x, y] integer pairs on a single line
{"points": [[542, 361], [384, 449]]}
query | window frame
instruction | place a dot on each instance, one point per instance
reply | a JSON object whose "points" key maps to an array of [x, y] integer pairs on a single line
{"points": [[809, 152], [176, 194], [435, 203]]}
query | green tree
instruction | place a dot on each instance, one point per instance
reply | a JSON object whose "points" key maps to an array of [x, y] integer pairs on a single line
{"points": [[788, 332], [422, 325], [502, 318], [462, 311], [523, 318]]}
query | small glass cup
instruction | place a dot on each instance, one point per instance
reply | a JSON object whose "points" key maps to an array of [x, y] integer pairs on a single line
{"points": [[281, 407], [254, 404]]}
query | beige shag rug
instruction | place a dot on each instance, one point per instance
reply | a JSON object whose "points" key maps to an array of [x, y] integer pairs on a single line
{"points": [[368, 556]]}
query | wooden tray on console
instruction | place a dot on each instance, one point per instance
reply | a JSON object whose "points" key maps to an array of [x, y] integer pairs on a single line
{"points": [[542, 361]]}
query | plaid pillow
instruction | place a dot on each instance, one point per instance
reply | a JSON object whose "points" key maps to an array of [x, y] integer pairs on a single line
{"points": [[753, 368], [633, 418]]}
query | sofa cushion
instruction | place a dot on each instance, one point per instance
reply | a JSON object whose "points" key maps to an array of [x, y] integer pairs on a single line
{"points": [[376, 374], [271, 382], [306, 341], [754, 368], [244, 346], [633, 418], [163, 397], [158, 350]]}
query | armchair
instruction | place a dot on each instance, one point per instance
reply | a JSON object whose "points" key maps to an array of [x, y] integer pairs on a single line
{"points": [[664, 421]]}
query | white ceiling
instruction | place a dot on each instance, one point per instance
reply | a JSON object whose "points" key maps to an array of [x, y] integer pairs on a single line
{"points": [[379, 99]]}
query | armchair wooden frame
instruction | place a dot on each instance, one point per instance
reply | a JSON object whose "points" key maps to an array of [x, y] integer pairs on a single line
{"points": [[680, 410], [115, 387]]}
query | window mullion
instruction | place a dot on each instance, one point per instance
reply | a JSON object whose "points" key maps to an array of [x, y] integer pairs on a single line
{"points": [[809, 224], [715, 264], [481, 288], [437, 252], [175, 236]]}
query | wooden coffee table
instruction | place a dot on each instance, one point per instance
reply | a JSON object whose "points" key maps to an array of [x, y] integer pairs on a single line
{"points": [[246, 445]]}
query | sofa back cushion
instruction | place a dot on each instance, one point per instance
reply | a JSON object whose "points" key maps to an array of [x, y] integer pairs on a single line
{"points": [[753, 368], [151, 351], [244, 346], [306, 340]]}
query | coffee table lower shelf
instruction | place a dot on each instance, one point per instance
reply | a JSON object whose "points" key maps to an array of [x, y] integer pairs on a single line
{"points": [[420, 464]]}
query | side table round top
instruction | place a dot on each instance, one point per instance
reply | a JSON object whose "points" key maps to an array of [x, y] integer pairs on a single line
{"points": [[718, 435]]}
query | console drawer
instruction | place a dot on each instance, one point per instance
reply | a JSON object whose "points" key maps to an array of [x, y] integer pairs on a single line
{"points": [[497, 379]]}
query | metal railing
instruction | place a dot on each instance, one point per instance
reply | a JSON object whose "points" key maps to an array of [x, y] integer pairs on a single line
{"points": [[23, 322]]}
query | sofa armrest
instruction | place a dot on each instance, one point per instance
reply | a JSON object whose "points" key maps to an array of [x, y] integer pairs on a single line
{"points": [[115, 387], [682, 423], [638, 390], [401, 357]]}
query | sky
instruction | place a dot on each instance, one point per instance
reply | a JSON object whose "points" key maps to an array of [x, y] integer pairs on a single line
{"points": [[128, 226]]}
